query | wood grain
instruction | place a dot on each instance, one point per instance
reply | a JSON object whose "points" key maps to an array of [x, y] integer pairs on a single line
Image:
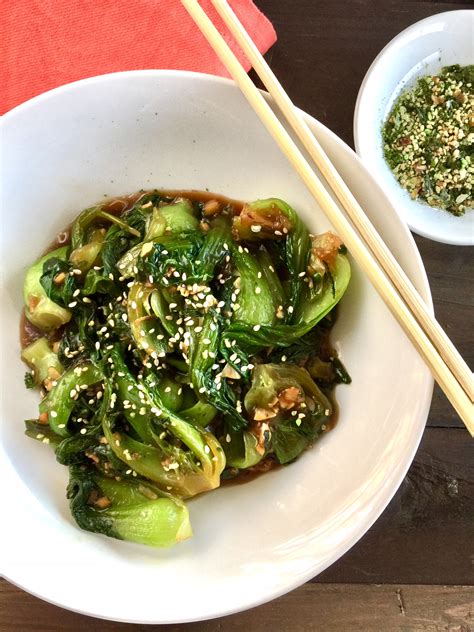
{"points": [[425, 537], [311, 608]]}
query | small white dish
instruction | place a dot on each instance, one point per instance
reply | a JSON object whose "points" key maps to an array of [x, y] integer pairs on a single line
{"points": [[422, 49], [119, 133]]}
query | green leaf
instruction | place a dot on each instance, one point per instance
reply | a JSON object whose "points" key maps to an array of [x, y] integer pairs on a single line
{"points": [[131, 510]]}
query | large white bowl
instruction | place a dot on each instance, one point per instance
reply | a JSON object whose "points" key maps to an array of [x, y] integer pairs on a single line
{"points": [[421, 49], [119, 133]]}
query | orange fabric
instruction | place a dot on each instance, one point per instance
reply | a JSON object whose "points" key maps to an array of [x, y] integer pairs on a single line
{"points": [[47, 43]]}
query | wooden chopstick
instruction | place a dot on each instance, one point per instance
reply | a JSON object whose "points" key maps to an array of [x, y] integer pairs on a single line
{"points": [[440, 370], [353, 209]]}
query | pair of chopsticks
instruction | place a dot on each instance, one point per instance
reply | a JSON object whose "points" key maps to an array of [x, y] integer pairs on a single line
{"points": [[364, 243]]}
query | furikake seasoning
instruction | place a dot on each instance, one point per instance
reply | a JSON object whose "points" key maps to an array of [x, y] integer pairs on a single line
{"points": [[428, 139]]}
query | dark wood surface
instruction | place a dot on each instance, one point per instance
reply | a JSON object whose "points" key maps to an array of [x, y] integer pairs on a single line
{"points": [[414, 569]]}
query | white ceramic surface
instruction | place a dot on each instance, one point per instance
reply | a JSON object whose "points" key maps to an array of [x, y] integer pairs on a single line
{"points": [[423, 48], [119, 133]]}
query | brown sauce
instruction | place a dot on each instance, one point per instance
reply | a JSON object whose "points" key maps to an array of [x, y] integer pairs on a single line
{"points": [[28, 332]]}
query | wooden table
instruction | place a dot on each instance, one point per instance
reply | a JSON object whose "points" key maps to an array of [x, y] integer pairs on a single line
{"points": [[414, 570]]}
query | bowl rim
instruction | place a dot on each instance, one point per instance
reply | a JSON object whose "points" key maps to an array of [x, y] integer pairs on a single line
{"points": [[357, 128], [425, 392]]}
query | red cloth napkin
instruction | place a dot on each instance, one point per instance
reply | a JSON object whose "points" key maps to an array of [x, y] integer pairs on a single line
{"points": [[47, 43]]}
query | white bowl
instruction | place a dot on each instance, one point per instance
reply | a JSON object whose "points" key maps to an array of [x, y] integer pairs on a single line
{"points": [[116, 134], [421, 49]]}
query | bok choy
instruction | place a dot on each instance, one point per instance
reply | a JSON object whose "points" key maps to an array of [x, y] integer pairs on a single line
{"points": [[179, 343]]}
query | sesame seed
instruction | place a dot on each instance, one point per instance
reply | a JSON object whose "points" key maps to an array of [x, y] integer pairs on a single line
{"points": [[97, 345], [291, 309], [256, 327], [255, 228], [83, 431], [258, 290], [72, 304]]}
